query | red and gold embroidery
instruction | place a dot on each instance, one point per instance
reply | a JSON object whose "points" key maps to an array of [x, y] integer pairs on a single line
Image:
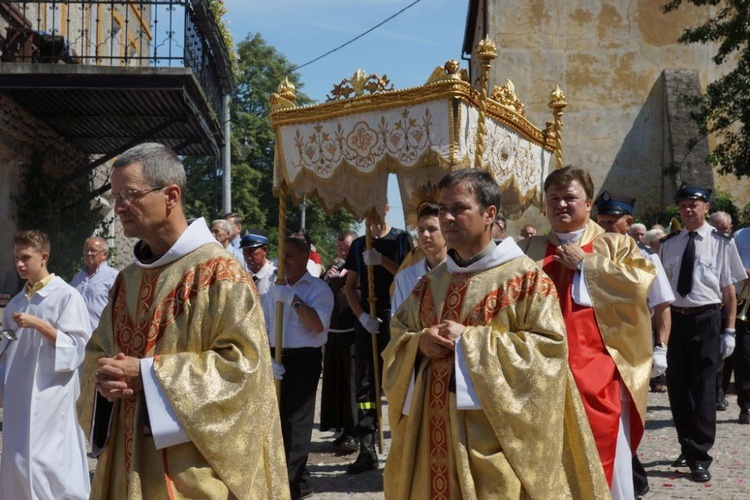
{"points": [[137, 335]]}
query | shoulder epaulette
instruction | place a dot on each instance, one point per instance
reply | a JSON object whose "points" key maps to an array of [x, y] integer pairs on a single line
{"points": [[724, 235], [670, 235]]}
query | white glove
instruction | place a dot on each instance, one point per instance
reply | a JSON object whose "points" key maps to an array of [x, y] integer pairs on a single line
{"points": [[659, 366], [372, 257], [371, 324], [278, 370], [727, 344], [282, 293]]}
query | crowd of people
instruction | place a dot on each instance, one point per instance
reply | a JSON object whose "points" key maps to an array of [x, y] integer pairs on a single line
{"points": [[512, 366]]}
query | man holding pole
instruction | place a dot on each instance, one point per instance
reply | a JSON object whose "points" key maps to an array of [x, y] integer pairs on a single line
{"points": [[388, 248]]}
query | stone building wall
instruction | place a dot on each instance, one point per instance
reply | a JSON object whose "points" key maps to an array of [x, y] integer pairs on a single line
{"points": [[20, 135], [610, 59]]}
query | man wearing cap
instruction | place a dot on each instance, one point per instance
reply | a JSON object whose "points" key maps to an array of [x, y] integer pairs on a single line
{"points": [[614, 212], [602, 281], [702, 265], [254, 247]]}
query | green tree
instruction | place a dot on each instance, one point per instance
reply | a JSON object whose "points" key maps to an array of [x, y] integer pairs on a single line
{"points": [[724, 110], [260, 70]]}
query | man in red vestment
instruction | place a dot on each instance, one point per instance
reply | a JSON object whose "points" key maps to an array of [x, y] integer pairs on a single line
{"points": [[603, 283]]}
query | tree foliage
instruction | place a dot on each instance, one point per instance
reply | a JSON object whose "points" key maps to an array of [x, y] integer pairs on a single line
{"points": [[724, 110], [63, 210], [260, 70]]}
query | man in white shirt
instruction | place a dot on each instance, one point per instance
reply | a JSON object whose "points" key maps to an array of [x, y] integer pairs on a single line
{"points": [[702, 265], [95, 280], [308, 303]]}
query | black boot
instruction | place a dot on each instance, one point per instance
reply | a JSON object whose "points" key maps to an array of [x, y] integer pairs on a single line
{"points": [[367, 458]]}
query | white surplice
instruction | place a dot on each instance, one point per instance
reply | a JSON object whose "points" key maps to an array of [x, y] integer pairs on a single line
{"points": [[44, 450]]}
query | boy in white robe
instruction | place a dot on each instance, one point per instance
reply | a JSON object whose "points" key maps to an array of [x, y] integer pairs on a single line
{"points": [[44, 451]]}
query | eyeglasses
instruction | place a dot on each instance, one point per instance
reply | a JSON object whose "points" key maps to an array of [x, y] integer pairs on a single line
{"points": [[128, 196], [92, 251]]}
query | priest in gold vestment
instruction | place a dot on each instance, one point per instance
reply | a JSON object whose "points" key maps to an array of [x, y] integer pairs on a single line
{"points": [[482, 403], [178, 392]]}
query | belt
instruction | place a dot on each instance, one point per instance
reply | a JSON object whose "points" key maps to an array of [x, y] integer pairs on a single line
{"points": [[687, 311], [295, 350]]}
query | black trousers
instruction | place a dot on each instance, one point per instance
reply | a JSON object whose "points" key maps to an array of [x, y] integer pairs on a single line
{"points": [[338, 400], [297, 408], [742, 365], [692, 359], [366, 405]]}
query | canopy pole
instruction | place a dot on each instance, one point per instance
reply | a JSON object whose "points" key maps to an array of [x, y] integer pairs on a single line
{"points": [[374, 336], [486, 52], [280, 280], [557, 102]]}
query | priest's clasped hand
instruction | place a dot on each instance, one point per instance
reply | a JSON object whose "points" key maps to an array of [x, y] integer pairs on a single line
{"points": [[439, 341], [569, 255], [118, 377]]}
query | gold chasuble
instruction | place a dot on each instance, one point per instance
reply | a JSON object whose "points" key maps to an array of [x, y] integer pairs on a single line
{"points": [[200, 318], [529, 436], [618, 279]]}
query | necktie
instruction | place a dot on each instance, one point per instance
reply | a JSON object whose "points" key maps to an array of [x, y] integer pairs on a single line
{"points": [[685, 279]]}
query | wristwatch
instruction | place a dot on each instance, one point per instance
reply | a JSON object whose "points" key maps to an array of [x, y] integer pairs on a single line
{"points": [[297, 304]]}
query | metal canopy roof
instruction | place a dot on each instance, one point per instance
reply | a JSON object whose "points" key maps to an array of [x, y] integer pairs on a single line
{"points": [[103, 110]]}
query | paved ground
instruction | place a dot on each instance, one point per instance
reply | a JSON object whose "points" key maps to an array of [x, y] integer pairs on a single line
{"points": [[730, 470]]}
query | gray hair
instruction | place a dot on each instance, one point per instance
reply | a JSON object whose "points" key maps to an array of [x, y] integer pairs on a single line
{"points": [[225, 225], [98, 239], [652, 236], [635, 227], [160, 165], [720, 217]]}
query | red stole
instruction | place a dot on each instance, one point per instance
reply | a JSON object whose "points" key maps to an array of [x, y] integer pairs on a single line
{"points": [[593, 368]]}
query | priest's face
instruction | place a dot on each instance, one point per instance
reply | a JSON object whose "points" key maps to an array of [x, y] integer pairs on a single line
{"points": [[464, 224], [568, 208], [140, 207]]}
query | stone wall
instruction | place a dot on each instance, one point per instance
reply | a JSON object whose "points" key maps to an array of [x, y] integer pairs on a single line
{"points": [[20, 135], [609, 57]]}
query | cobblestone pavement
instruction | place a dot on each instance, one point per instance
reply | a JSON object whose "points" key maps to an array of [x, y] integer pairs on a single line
{"points": [[730, 470], [659, 448]]}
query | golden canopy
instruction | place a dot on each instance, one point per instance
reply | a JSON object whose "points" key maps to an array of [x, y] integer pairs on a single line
{"points": [[342, 151]]}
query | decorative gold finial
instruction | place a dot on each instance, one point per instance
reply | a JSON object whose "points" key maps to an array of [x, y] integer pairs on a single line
{"points": [[486, 49], [285, 95], [557, 102], [359, 84], [426, 193], [506, 95], [486, 53]]}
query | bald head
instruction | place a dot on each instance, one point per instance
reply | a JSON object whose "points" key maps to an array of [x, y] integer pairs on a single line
{"points": [[95, 251]]}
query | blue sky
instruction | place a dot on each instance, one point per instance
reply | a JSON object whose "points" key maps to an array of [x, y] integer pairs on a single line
{"points": [[407, 48]]}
